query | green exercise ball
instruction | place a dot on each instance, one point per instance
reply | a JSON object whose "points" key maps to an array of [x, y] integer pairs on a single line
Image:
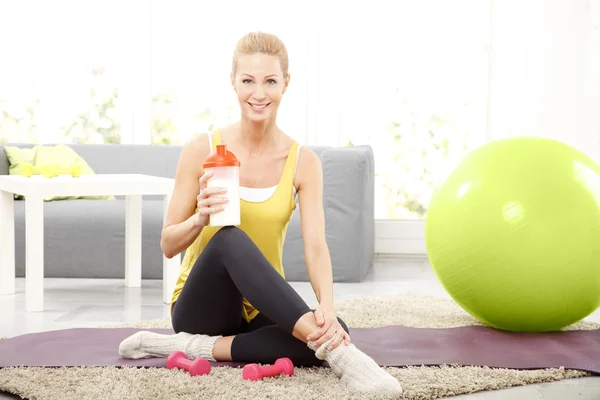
{"points": [[513, 234]]}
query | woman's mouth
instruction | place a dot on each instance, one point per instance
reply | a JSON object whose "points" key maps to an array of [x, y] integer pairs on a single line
{"points": [[259, 107]]}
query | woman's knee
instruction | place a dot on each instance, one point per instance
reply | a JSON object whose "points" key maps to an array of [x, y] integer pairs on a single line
{"points": [[229, 234], [225, 239]]}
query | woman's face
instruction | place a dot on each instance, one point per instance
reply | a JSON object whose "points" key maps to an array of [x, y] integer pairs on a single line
{"points": [[259, 84]]}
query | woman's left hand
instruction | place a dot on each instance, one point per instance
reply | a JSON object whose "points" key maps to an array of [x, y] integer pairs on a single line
{"points": [[328, 327]]}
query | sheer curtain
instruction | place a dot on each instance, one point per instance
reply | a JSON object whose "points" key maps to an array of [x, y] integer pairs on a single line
{"points": [[409, 79], [421, 82], [64, 71]]}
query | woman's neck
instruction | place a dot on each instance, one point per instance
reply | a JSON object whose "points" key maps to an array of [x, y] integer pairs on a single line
{"points": [[258, 137]]}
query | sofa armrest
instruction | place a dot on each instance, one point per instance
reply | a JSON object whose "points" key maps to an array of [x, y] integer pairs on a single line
{"points": [[349, 205], [348, 200], [4, 164]]}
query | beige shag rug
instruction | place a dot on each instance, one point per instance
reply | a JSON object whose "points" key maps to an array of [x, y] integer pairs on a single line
{"points": [[420, 383]]}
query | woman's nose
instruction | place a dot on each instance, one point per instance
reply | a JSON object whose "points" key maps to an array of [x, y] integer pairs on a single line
{"points": [[259, 93]]}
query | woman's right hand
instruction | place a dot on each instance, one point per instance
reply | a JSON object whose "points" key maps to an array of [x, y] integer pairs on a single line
{"points": [[206, 201]]}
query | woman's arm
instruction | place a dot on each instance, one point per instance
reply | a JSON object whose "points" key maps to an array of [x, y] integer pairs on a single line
{"points": [[180, 231], [309, 180]]}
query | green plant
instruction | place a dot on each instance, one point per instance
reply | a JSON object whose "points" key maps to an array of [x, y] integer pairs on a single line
{"points": [[419, 148], [164, 108], [99, 122], [168, 129], [18, 121]]}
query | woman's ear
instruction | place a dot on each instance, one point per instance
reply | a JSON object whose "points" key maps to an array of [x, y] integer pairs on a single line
{"points": [[286, 83]]}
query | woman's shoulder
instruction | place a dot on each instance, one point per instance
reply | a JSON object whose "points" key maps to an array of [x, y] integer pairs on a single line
{"points": [[198, 142], [308, 166], [196, 147], [307, 157]]}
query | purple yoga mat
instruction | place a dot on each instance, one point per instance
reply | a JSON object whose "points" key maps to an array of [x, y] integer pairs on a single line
{"points": [[389, 346]]}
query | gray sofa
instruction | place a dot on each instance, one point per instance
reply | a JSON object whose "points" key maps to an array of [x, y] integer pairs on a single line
{"points": [[85, 238]]}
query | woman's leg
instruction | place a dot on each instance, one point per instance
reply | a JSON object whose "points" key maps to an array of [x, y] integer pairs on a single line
{"points": [[209, 306], [235, 259], [262, 341], [273, 296], [209, 302], [233, 254], [230, 268], [231, 258]]}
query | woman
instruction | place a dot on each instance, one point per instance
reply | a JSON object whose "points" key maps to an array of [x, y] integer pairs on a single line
{"points": [[231, 301]]}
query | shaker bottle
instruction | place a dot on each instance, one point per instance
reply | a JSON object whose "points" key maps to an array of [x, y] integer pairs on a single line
{"points": [[226, 174]]}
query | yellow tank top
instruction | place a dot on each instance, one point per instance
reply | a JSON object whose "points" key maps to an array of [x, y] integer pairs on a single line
{"points": [[264, 222]]}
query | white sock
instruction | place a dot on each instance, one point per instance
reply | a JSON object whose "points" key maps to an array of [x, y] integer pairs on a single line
{"points": [[357, 370], [146, 344]]}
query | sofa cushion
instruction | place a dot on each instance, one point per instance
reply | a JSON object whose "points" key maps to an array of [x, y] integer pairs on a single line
{"points": [[131, 159], [40, 156], [348, 202]]}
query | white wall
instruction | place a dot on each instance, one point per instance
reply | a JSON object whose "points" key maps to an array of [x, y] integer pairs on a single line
{"points": [[545, 72]]}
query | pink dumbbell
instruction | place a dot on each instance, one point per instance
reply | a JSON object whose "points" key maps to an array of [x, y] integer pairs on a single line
{"points": [[254, 372], [178, 359]]}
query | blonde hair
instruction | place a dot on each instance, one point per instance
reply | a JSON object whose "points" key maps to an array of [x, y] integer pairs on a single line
{"points": [[261, 43]]}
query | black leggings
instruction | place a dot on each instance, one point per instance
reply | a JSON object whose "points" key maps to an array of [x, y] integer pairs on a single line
{"points": [[230, 268]]}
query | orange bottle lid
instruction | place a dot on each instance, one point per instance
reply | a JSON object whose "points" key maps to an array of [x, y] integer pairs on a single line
{"points": [[221, 158]]}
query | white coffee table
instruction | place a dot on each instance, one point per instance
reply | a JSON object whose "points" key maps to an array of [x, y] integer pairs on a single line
{"points": [[36, 188]]}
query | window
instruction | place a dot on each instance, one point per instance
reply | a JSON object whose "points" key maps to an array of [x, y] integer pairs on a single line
{"points": [[63, 71], [410, 79]]}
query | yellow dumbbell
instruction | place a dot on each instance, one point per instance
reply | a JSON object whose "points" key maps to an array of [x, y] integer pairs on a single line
{"points": [[27, 170], [74, 170], [49, 171]]}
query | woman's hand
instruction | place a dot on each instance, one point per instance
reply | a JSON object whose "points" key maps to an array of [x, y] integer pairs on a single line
{"points": [[206, 201], [329, 327]]}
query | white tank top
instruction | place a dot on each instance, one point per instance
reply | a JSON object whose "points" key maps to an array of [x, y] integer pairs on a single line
{"points": [[257, 195]]}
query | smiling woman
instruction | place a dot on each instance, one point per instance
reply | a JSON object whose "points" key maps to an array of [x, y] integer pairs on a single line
{"points": [[232, 301], [259, 74]]}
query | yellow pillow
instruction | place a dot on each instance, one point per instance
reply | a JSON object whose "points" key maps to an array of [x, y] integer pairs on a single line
{"points": [[38, 156]]}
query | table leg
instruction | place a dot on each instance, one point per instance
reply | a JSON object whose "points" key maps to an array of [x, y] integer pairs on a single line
{"points": [[133, 241], [170, 266], [7, 243], [34, 253]]}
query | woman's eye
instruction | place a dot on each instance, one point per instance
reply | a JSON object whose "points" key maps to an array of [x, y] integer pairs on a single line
{"points": [[246, 81], [272, 81]]}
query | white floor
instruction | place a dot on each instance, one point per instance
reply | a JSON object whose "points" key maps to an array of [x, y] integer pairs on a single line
{"points": [[72, 303]]}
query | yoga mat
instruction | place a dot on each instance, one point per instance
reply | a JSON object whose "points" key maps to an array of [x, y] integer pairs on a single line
{"points": [[395, 346]]}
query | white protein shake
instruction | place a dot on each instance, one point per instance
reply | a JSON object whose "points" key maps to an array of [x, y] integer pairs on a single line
{"points": [[226, 169]]}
